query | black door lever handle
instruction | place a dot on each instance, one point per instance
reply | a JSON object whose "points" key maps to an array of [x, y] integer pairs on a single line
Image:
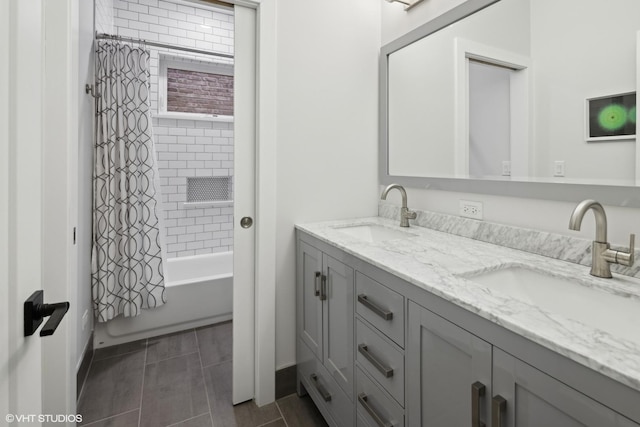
{"points": [[35, 311]]}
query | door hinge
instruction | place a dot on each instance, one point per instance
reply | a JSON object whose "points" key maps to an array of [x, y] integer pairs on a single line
{"points": [[74, 235]]}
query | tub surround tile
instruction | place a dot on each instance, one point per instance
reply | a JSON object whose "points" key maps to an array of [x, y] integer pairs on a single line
{"points": [[441, 263], [129, 419], [174, 391], [215, 343], [113, 387], [171, 345]]}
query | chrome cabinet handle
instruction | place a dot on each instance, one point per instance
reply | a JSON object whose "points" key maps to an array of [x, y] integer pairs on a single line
{"points": [[384, 370], [385, 314], [498, 406], [323, 287], [316, 284], [477, 391], [324, 393], [362, 398]]}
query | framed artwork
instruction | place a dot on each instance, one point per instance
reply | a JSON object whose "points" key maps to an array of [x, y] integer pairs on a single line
{"points": [[611, 118]]}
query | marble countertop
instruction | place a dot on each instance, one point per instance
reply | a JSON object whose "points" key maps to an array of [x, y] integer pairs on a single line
{"points": [[443, 264]]}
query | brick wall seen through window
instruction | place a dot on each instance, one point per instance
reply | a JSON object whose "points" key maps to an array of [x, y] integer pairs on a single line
{"points": [[198, 92]]}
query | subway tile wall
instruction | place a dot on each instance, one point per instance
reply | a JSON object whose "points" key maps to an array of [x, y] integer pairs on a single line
{"points": [[104, 19], [185, 148], [188, 148]]}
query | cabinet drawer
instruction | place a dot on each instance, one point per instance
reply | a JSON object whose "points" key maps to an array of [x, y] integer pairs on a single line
{"points": [[380, 306], [322, 388], [375, 407], [381, 360]]}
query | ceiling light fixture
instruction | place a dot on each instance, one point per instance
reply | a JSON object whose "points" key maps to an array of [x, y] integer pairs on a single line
{"points": [[408, 3]]}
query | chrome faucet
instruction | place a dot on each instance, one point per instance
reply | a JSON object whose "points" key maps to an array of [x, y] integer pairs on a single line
{"points": [[405, 213], [602, 256]]}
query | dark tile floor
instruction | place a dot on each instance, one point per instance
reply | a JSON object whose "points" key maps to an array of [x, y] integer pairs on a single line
{"points": [[179, 380]]}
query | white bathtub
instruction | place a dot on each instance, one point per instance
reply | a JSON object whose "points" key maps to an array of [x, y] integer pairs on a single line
{"points": [[199, 292]]}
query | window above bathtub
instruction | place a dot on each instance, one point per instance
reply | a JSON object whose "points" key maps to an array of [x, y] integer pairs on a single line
{"points": [[195, 89]]}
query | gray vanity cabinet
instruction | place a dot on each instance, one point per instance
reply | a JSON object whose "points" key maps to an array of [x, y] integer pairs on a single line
{"points": [[450, 372], [526, 397], [337, 321], [310, 305], [457, 377], [325, 323], [374, 350]]}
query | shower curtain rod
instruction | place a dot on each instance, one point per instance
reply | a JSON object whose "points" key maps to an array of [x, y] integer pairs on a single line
{"points": [[158, 44]]}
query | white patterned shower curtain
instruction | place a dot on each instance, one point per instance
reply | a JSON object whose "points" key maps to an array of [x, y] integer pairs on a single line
{"points": [[126, 262]]}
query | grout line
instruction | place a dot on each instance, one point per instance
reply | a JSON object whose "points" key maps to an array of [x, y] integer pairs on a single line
{"points": [[188, 419], [217, 363], [281, 414], [144, 369], [272, 421], [172, 357], [204, 381], [109, 417]]}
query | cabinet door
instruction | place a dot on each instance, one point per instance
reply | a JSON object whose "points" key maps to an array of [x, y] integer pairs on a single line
{"points": [[309, 271], [443, 363], [533, 398], [338, 323]]}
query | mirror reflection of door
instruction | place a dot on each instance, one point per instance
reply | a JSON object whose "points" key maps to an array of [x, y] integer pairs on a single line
{"points": [[489, 119], [498, 118]]}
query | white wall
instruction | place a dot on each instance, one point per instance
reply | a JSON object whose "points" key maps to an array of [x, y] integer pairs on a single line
{"points": [[532, 213], [569, 67], [326, 129], [86, 112], [396, 22], [5, 188]]}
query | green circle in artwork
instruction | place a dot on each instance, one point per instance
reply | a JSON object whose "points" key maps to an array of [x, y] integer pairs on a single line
{"points": [[632, 114], [612, 117]]}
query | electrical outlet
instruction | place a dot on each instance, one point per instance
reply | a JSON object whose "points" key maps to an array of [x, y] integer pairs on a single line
{"points": [[558, 168], [85, 319], [506, 168], [470, 209]]}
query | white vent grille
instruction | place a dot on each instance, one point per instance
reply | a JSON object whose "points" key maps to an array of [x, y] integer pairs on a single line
{"points": [[209, 189]]}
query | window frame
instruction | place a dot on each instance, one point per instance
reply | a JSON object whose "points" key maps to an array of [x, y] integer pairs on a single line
{"points": [[188, 64]]}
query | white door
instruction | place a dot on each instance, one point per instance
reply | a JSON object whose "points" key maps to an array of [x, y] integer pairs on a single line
{"points": [[36, 374], [244, 205], [489, 119]]}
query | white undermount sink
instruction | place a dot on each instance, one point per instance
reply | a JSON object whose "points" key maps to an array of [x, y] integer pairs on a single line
{"points": [[373, 233], [615, 314]]}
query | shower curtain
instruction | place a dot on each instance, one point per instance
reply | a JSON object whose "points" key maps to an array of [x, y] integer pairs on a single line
{"points": [[126, 262]]}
